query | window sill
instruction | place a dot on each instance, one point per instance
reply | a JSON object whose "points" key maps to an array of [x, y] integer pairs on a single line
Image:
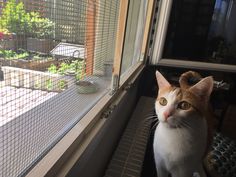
{"points": [[68, 107], [78, 138]]}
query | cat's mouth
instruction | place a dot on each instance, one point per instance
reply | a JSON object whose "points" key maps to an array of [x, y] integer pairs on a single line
{"points": [[170, 123]]}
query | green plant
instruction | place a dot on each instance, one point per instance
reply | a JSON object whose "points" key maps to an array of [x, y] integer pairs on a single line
{"points": [[40, 27], [64, 67], [76, 66], [7, 53], [14, 18], [52, 69], [10, 54], [62, 84], [80, 67], [49, 84]]}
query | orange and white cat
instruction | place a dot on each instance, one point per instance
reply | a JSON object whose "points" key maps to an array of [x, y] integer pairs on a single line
{"points": [[181, 137]]}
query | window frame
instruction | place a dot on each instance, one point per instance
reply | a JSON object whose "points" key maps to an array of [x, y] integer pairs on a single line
{"points": [[61, 158], [159, 41]]}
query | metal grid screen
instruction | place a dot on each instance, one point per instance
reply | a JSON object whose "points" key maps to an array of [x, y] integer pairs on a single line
{"points": [[56, 61]]}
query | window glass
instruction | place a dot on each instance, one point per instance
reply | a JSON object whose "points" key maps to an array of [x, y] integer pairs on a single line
{"points": [[134, 33], [202, 31], [56, 61]]}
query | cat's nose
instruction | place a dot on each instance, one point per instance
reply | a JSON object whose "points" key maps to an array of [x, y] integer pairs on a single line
{"points": [[167, 114]]}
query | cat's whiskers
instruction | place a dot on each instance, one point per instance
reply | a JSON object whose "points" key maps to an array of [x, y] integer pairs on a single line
{"points": [[156, 123], [154, 119], [151, 118], [151, 114], [185, 124]]}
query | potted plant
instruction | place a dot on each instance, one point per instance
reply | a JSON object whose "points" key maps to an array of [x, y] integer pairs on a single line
{"points": [[74, 72], [84, 84], [40, 31]]}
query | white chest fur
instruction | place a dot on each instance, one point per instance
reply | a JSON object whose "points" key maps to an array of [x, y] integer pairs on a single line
{"points": [[175, 147]]}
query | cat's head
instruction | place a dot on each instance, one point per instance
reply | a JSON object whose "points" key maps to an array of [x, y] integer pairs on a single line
{"points": [[177, 107]]}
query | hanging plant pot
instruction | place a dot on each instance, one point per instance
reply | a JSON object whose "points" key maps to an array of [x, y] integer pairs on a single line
{"points": [[86, 87]]}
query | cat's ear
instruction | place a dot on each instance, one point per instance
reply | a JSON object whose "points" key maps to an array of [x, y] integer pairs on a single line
{"points": [[203, 88], [161, 81]]}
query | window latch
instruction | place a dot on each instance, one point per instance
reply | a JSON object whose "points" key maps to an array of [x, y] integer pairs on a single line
{"points": [[108, 111], [114, 84]]}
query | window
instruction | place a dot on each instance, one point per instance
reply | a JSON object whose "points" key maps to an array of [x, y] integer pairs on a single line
{"points": [[134, 33], [56, 63], [58, 59], [197, 32]]}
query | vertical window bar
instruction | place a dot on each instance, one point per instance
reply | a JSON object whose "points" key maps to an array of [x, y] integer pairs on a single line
{"points": [[122, 19], [147, 28]]}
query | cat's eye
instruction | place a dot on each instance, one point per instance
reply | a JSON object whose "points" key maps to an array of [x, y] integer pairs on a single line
{"points": [[184, 105], [163, 101]]}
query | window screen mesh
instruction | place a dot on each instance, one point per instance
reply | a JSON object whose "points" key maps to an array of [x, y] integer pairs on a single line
{"points": [[56, 62]]}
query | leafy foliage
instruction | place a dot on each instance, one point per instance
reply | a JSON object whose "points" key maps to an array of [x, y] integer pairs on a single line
{"points": [[62, 84], [40, 27], [14, 18], [4, 31], [76, 67], [10, 55], [52, 69]]}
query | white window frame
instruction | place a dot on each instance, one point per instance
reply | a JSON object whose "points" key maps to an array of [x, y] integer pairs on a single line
{"points": [[159, 41]]}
